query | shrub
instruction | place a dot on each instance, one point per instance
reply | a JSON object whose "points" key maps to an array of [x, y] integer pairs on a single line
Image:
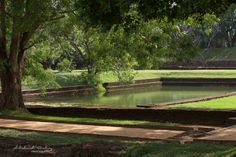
{"points": [[65, 66]]}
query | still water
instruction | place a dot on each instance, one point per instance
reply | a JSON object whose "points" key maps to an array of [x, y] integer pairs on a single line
{"points": [[129, 99]]}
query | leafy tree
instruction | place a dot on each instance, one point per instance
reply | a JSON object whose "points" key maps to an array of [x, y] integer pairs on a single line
{"points": [[99, 51], [35, 76], [19, 21], [226, 33], [213, 31]]}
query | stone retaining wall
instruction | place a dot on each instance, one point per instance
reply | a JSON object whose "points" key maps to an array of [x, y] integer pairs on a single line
{"points": [[199, 81], [116, 86], [73, 90], [182, 116]]}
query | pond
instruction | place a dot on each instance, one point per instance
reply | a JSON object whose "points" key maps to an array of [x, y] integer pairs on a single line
{"points": [[129, 99]]}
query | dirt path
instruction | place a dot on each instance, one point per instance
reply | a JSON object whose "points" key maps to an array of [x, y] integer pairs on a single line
{"points": [[90, 129]]}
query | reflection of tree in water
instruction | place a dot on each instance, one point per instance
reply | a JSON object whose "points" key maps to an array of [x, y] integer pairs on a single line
{"points": [[128, 99]]}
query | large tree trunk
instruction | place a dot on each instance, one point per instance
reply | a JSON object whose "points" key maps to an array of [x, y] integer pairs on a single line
{"points": [[11, 74], [12, 98]]}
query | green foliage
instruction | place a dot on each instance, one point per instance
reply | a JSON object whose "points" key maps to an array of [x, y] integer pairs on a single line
{"points": [[100, 12], [127, 76], [44, 51], [122, 60], [74, 78], [90, 79], [132, 18], [150, 44], [158, 41], [100, 88], [212, 31], [99, 51], [226, 33], [35, 75], [183, 49], [209, 21], [139, 34], [65, 65], [134, 43], [69, 79], [108, 13]]}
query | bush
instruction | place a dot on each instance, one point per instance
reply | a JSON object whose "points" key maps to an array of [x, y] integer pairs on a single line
{"points": [[92, 80], [65, 66], [126, 77]]}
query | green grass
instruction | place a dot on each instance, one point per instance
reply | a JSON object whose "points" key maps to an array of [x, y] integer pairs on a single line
{"points": [[144, 74], [49, 138], [221, 103], [155, 149], [23, 115], [135, 148], [69, 79]]}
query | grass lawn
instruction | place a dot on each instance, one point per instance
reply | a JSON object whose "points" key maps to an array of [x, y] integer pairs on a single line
{"points": [[72, 78], [155, 149], [221, 103], [22, 115], [135, 148]]}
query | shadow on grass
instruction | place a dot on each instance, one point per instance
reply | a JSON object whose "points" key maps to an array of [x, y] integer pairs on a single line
{"points": [[155, 149], [51, 138], [135, 149]]}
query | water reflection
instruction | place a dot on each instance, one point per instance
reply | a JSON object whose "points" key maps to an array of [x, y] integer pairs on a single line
{"points": [[150, 95]]}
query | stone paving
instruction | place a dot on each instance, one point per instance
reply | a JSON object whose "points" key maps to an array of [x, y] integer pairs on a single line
{"points": [[220, 135], [126, 132], [224, 135]]}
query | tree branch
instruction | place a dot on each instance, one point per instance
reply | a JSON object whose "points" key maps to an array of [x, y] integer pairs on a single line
{"points": [[77, 49], [31, 45], [55, 18]]}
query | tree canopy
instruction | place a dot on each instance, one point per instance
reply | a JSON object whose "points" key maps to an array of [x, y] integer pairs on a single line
{"points": [[109, 12], [19, 21]]}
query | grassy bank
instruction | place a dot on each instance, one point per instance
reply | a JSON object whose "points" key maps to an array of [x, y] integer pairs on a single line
{"points": [[22, 115], [221, 103], [72, 78], [134, 148]]}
